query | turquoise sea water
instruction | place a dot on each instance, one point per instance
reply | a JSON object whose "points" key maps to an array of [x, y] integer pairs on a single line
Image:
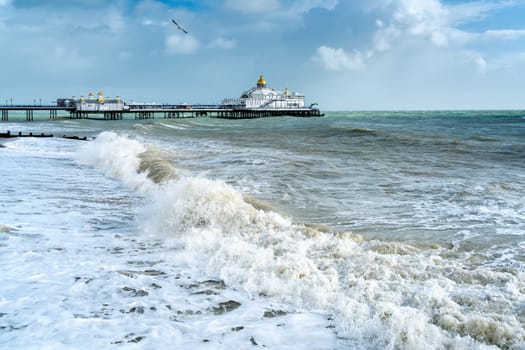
{"points": [[401, 230]]}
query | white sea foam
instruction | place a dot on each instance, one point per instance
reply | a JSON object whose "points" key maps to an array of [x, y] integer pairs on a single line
{"points": [[379, 296], [172, 126], [118, 157], [77, 276]]}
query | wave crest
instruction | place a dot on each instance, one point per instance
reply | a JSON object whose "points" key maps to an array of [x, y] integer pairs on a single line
{"points": [[381, 295], [153, 162]]}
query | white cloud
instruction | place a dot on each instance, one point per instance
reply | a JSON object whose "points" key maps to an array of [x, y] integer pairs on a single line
{"points": [[508, 61], [223, 43], [385, 36], [338, 59], [475, 58], [278, 7], [181, 44], [63, 59], [475, 10], [420, 11], [437, 23], [307, 5], [427, 19], [504, 34], [419, 25], [147, 22], [253, 6]]}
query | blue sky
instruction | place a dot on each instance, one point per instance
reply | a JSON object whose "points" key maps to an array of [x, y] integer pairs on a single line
{"points": [[342, 54]]}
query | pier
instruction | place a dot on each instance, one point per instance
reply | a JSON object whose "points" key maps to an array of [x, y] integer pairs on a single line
{"points": [[260, 101], [30, 110], [143, 111]]}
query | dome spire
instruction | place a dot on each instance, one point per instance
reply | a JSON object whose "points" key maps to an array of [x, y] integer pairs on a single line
{"points": [[261, 83]]}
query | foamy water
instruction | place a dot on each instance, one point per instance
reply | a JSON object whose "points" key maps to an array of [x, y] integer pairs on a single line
{"points": [[198, 235]]}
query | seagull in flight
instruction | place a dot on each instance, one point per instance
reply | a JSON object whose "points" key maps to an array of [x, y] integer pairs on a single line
{"points": [[178, 26]]}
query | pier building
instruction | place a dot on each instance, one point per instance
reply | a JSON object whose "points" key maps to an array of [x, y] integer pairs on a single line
{"points": [[263, 97], [92, 104]]}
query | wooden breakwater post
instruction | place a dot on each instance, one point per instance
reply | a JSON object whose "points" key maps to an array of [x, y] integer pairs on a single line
{"points": [[9, 135]]}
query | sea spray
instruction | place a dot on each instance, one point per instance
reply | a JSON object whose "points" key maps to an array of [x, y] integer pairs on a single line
{"points": [[118, 157], [402, 297]]}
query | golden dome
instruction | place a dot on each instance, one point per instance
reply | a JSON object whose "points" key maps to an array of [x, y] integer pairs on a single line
{"points": [[261, 80], [100, 98], [90, 94]]}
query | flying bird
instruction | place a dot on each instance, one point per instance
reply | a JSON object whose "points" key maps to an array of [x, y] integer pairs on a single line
{"points": [[178, 26]]}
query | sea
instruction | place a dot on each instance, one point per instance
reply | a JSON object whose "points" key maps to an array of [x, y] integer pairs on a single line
{"points": [[356, 230]]}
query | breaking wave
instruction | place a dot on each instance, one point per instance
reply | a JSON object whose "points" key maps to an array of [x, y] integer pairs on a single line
{"points": [[379, 294]]}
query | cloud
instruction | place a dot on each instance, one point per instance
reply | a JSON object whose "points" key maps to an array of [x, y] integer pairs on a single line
{"points": [[181, 44], [474, 57], [421, 26], [223, 43], [402, 45], [253, 6], [338, 60], [427, 19], [504, 34], [62, 59], [436, 23], [431, 22], [307, 5], [115, 21], [465, 12], [278, 7], [513, 62]]}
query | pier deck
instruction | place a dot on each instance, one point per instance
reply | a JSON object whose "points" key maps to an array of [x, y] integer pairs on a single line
{"points": [[152, 111]]}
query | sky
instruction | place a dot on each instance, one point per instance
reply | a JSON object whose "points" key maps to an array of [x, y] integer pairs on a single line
{"points": [[341, 54]]}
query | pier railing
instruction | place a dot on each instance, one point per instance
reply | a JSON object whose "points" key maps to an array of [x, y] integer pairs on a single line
{"points": [[150, 111]]}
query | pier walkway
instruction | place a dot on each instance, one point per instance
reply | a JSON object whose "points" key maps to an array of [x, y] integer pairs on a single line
{"points": [[150, 111], [30, 111]]}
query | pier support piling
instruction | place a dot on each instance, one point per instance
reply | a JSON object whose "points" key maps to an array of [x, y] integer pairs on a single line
{"points": [[144, 115], [168, 111], [112, 115]]}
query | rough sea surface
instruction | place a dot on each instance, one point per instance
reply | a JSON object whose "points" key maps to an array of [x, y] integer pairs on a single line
{"points": [[358, 230]]}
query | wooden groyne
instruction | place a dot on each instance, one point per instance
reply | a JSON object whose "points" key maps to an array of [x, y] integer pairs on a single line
{"points": [[9, 135], [140, 112]]}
